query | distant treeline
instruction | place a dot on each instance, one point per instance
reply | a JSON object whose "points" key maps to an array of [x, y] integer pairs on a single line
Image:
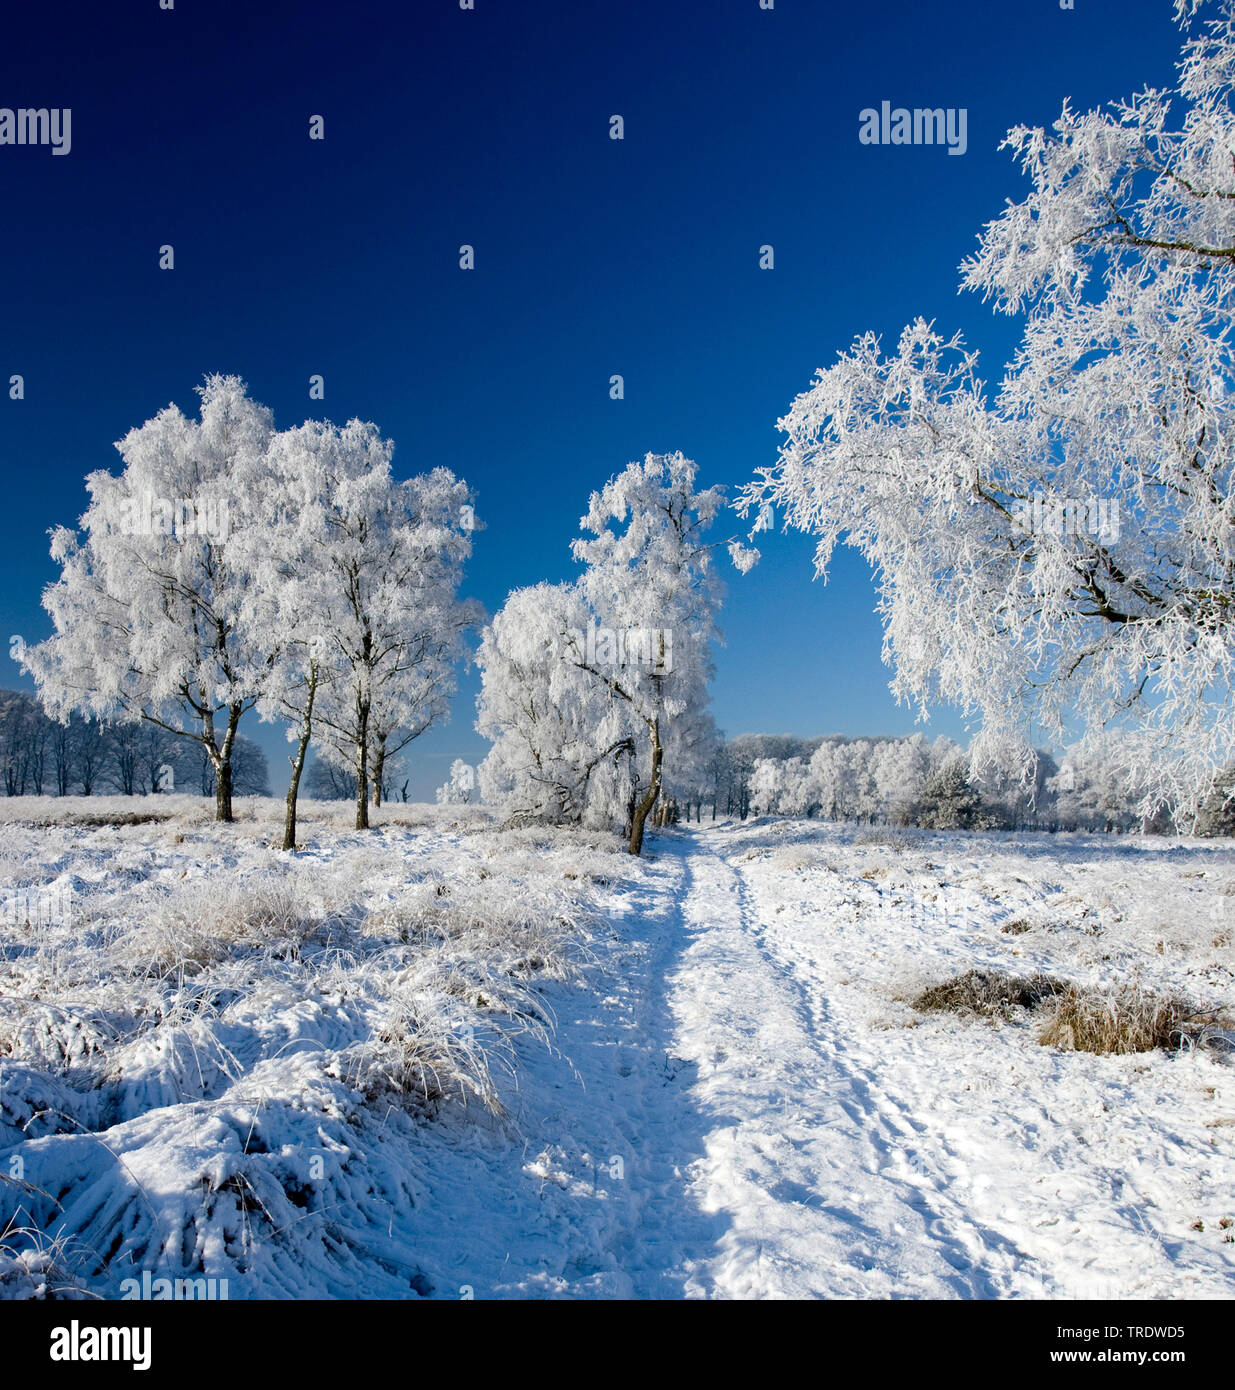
{"points": [[910, 781], [40, 757]]}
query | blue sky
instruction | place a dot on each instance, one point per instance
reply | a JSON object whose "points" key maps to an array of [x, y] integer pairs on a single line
{"points": [[593, 256]]}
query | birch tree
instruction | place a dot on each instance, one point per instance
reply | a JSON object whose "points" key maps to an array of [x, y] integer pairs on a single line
{"points": [[390, 557], [562, 745], [146, 607], [650, 581]]}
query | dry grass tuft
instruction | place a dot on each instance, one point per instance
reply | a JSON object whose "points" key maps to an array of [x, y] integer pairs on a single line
{"points": [[424, 1058], [205, 923], [1128, 1017], [988, 994]]}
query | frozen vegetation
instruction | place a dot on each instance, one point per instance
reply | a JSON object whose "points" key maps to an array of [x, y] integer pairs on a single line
{"points": [[445, 1058]]}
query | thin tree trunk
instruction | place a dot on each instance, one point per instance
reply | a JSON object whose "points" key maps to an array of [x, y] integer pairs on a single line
{"points": [[302, 748], [223, 766], [644, 808], [362, 793], [223, 792], [379, 768], [362, 772]]}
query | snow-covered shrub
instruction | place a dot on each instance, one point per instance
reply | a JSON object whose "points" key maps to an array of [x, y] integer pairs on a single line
{"points": [[1098, 785], [423, 1054], [204, 922], [951, 802], [884, 837], [459, 787], [34, 1265]]}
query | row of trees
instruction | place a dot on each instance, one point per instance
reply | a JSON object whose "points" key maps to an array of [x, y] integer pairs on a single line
{"points": [[292, 575], [908, 781], [302, 581], [79, 756], [232, 567]]}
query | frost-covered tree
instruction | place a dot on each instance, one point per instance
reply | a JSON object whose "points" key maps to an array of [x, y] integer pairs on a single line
{"points": [[562, 744], [146, 607], [1069, 544], [1099, 785], [650, 582], [595, 693], [293, 592], [845, 778], [900, 768], [691, 748], [783, 787], [390, 625], [736, 767], [950, 801], [1015, 785], [460, 786], [840, 778]]}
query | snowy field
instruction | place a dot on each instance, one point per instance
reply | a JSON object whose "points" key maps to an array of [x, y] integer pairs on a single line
{"points": [[442, 1059]]}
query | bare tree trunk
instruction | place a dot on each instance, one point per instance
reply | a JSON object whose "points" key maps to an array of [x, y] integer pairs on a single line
{"points": [[644, 808], [223, 792], [362, 793], [379, 769], [221, 759], [302, 748], [362, 770]]}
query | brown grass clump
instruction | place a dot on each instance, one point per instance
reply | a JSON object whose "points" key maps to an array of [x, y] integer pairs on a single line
{"points": [[1128, 1017], [988, 994], [1108, 1020]]}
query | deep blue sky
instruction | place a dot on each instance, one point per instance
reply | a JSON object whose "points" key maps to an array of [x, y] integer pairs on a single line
{"points": [[594, 257]]}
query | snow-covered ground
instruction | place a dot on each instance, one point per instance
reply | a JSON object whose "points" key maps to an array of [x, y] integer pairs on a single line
{"points": [[443, 1059]]}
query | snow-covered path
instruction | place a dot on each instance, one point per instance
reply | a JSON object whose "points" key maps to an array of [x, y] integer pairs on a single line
{"points": [[830, 1185], [744, 1131]]}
